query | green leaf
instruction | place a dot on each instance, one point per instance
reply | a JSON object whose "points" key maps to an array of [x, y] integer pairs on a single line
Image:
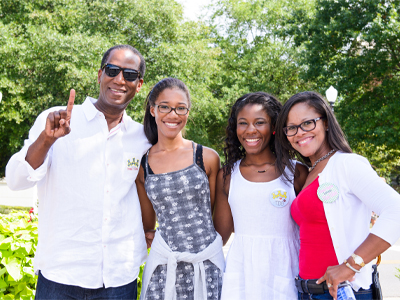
{"points": [[13, 267]]}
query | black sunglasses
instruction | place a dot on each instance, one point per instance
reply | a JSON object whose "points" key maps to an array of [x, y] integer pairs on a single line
{"points": [[113, 70]]}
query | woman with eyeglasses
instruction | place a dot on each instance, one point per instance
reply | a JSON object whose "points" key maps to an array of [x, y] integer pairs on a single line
{"points": [[176, 184], [253, 200], [334, 208]]}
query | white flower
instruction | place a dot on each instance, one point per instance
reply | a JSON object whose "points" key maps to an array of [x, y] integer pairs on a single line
{"points": [[155, 178], [168, 198], [199, 230], [168, 177], [199, 222], [174, 204], [208, 237], [188, 281], [185, 296], [183, 177], [189, 197], [189, 246], [190, 216], [209, 294], [174, 248], [169, 227], [188, 225], [180, 275], [171, 212], [175, 219], [209, 279], [180, 232], [203, 191], [162, 207], [186, 182], [197, 186], [196, 208], [180, 192], [200, 214], [190, 288], [189, 238], [202, 246], [165, 190], [161, 280], [152, 186]]}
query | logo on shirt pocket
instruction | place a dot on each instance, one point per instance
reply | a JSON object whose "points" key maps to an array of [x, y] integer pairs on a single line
{"points": [[133, 164]]}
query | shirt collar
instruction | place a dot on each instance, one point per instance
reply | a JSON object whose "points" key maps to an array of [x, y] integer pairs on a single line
{"points": [[90, 111]]}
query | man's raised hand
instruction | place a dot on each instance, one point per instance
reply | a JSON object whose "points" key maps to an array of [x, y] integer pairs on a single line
{"points": [[57, 123]]}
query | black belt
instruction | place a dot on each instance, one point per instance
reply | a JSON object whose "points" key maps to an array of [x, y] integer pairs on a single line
{"points": [[309, 286]]}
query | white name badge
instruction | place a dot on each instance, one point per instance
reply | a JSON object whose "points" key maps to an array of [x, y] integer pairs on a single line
{"points": [[328, 192], [279, 198]]}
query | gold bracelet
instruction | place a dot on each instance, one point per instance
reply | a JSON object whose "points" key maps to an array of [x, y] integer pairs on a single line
{"points": [[350, 267]]}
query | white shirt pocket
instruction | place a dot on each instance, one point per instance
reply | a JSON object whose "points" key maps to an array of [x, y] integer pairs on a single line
{"points": [[131, 165]]}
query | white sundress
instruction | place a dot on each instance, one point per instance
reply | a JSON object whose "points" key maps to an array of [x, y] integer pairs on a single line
{"points": [[263, 258]]}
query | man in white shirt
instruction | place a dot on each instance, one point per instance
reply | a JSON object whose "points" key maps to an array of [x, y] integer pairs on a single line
{"points": [[84, 160]]}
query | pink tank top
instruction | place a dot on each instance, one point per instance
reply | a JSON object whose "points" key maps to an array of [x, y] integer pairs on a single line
{"points": [[316, 247]]}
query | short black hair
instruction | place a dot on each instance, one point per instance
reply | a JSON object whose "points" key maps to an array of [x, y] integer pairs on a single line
{"points": [[142, 66]]}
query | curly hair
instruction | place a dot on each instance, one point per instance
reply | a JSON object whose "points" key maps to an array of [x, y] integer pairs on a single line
{"points": [[335, 136], [233, 150], [149, 122]]}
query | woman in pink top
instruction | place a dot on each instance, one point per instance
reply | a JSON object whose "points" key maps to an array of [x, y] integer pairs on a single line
{"points": [[334, 208]]}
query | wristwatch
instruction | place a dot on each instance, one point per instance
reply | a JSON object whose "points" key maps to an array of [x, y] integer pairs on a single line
{"points": [[358, 260]]}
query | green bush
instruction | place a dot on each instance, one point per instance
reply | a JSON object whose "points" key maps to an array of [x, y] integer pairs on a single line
{"points": [[18, 240]]}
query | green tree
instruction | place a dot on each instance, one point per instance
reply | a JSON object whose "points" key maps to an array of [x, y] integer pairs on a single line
{"points": [[50, 46], [354, 46]]}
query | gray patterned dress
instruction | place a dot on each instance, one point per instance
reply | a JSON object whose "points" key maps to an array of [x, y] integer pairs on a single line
{"points": [[181, 200]]}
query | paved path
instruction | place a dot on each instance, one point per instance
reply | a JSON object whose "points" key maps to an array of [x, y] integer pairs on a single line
{"points": [[387, 270]]}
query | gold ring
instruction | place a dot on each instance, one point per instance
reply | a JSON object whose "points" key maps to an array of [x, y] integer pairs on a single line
{"points": [[329, 285]]}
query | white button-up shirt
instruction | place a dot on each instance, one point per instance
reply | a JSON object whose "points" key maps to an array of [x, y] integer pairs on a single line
{"points": [[90, 228]]}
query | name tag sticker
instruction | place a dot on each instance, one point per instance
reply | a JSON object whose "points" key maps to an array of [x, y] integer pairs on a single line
{"points": [[328, 192], [279, 198]]}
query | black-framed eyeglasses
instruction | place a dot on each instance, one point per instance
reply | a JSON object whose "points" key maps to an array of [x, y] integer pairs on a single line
{"points": [[113, 70], [166, 109], [305, 126]]}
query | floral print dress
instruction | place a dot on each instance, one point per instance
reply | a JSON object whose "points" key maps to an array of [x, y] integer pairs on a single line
{"points": [[181, 200]]}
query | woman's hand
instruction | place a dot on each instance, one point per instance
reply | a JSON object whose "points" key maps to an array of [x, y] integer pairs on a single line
{"points": [[335, 275], [149, 235]]}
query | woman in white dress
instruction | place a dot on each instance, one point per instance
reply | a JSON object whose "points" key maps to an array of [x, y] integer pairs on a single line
{"points": [[253, 200]]}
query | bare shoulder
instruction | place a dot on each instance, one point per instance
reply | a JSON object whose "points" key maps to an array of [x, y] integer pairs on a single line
{"points": [[210, 155]]}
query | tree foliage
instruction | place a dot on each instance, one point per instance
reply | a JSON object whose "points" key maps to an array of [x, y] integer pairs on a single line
{"points": [[355, 46], [48, 47]]}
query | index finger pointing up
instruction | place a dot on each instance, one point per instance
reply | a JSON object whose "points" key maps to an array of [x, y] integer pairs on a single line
{"points": [[70, 103]]}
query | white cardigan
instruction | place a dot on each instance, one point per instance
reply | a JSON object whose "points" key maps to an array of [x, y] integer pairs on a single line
{"points": [[361, 191], [161, 254]]}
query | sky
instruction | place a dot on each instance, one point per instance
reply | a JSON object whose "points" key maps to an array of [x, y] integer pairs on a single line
{"points": [[192, 8]]}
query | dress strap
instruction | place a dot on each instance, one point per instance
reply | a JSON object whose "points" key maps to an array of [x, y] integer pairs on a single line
{"points": [[146, 161], [194, 152]]}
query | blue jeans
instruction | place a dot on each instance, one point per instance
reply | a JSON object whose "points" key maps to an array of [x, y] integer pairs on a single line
{"points": [[360, 295], [47, 289]]}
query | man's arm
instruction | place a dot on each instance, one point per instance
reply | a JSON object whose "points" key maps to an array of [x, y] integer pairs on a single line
{"points": [[57, 125], [23, 169]]}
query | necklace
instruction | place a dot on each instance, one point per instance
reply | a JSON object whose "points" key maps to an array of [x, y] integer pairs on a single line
{"points": [[262, 171], [321, 159]]}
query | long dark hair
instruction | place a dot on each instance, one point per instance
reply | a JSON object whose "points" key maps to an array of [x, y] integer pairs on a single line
{"points": [[149, 122], [335, 136], [233, 150]]}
